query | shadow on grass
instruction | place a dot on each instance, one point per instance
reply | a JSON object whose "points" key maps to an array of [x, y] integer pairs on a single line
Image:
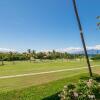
{"points": [[96, 77], [52, 97]]}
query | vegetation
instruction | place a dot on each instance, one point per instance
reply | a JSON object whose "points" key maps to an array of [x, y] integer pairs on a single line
{"points": [[13, 56], [32, 55], [83, 90], [38, 87], [25, 67], [48, 91], [96, 57]]}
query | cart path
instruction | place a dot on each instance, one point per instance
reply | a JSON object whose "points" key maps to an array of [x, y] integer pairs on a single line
{"points": [[41, 73]]}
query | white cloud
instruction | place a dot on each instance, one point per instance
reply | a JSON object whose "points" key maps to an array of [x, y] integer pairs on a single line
{"points": [[97, 47], [6, 50], [69, 49], [75, 49]]}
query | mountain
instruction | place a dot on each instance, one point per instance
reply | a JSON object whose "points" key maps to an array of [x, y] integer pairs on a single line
{"points": [[90, 50]]}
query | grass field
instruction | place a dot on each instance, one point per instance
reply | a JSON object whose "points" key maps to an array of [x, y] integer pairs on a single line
{"points": [[39, 92], [24, 67], [47, 91], [39, 86]]}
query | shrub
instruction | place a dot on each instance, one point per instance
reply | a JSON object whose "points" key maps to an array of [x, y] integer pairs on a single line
{"points": [[96, 57], [83, 90]]}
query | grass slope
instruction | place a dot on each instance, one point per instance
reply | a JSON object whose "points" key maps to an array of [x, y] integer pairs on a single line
{"points": [[27, 67], [39, 92]]}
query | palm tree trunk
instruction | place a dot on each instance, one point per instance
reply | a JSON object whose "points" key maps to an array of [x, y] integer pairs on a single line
{"points": [[82, 37]]}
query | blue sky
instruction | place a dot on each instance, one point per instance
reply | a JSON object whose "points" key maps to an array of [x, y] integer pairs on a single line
{"points": [[47, 24]]}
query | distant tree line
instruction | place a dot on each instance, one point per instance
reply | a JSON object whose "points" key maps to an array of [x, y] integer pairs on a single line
{"points": [[12, 56], [33, 55]]}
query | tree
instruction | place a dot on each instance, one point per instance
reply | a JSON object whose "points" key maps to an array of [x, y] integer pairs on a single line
{"points": [[11, 57], [2, 61], [34, 53], [29, 54], [82, 36], [41, 55], [54, 54], [96, 57]]}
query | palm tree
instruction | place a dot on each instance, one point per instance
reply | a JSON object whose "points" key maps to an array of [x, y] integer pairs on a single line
{"points": [[82, 37], [34, 53], [29, 54], [54, 54], [2, 62], [12, 57]]}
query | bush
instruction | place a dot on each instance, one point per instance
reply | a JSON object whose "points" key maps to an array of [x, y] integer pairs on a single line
{"points": [[96, 57], [84, 90]]}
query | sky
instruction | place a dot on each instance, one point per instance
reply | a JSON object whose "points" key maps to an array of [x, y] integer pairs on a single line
{"points": [[47, 24]]}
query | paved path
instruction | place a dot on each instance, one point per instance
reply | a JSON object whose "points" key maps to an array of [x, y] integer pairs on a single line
{"points": [[41, 73]]}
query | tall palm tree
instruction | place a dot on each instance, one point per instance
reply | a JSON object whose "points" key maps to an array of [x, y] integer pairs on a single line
{"points": [[82, 36], [29, 54]]}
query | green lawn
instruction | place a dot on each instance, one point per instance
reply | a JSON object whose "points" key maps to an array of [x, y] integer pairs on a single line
{"points": [[39, 92], [45, 91], [38, 87], [27, 67]]}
